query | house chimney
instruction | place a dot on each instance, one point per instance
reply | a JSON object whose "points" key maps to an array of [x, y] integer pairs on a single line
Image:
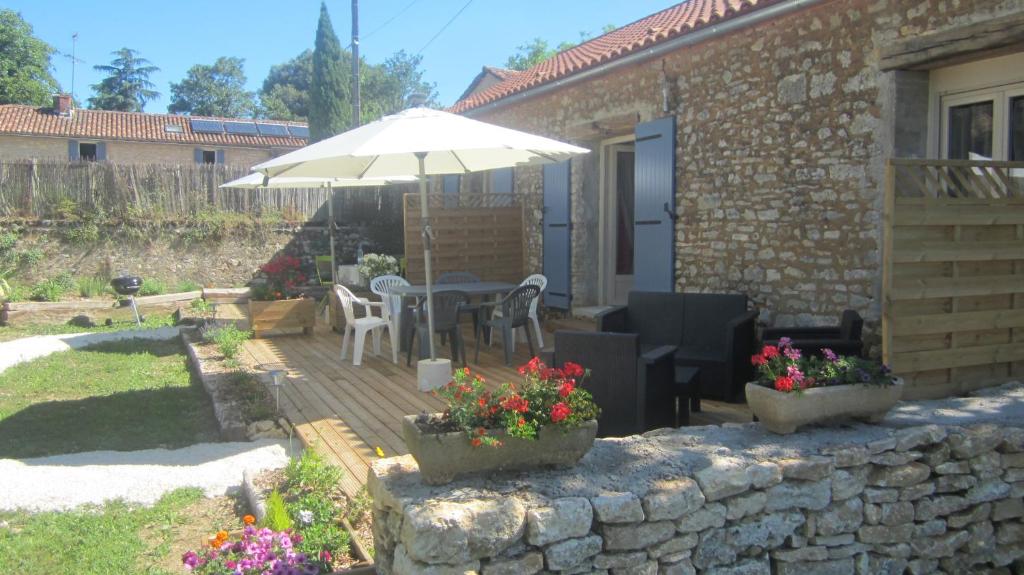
{"points": [[62, 104]]}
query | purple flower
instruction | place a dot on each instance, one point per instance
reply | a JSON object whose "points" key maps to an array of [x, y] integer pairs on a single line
{"points": [[795, 373], [792, 353], [785, 342], [190, 559], [829, 354]]}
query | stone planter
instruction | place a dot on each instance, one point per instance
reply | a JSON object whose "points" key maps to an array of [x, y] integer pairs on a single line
{"points": [[784, 412], [282, 314], [442, 456]]}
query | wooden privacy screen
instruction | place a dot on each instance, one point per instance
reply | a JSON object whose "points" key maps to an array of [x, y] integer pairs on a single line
{"points": [[478, 233], [953, 275]]}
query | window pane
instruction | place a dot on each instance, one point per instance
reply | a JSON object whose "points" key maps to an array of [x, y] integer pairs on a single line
{"points": [[970, 130], [624, 194], [1016, 129]]}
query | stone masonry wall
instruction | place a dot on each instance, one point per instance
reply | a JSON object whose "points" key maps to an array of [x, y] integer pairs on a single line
{"points": [[904, 497], [782, 134]]}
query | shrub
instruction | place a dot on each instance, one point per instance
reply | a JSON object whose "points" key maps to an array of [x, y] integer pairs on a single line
{"points": [[277, 514], [201, 306], [310, 473], [54, 288], [359, 505], [93, 286], [283, 275], [153, 287], [187, 286], [374, 265], [228, 339]]}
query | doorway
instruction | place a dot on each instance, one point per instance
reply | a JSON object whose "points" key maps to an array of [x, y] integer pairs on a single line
{"points": [[618, 203]]}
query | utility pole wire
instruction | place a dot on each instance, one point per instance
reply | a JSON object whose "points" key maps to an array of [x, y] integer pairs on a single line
{"points": [[443, 28]]}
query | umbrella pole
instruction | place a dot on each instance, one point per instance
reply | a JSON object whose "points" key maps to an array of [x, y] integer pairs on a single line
{"points": [[427, 238], [330, 231]]}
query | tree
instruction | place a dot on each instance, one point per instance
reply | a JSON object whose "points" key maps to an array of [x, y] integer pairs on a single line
{"points": [[537, 50], [329, 108], [24, 63], [285, 91], [217, 90], [127, 87]]}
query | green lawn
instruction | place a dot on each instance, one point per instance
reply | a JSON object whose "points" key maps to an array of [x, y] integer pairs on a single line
{"points": [[21, 329], [116, 538], [120, 396]]}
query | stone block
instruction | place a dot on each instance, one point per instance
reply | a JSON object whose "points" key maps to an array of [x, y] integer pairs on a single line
{"points": [[763, 475], [802, 554], [725, 477], [767, 531], [1007, 509], [952, 483], [935, 455], [463, 531], [915, 492], [844, 517], [636, 536], [617, 508], [930, 528], [845, 551], [899, 475], [987, 465], [1013, 475], [526, 564], [564, 518], [812, 468], [793, 89], [939, 506], [613, 560], [953, 468], [988, 490], [827, 567], [941, 546], [974, 441], [672, 499], [881, 495], [847, 483], [975, 514], [1015, 460], [880, 445], [758, 566], [876, 565], [893, 458], [800, 494], [745, 505], [896, 513], [681, 567], [848, 455], [982, 539], [922, 566], [872, 513], [1010, 532], [711, 515], [901, 550], [405, 565], [1013, 440], [834, 540], [885, 533], [673, 546], [645, 568], [914, 437], [572, 552], [713, 549]]}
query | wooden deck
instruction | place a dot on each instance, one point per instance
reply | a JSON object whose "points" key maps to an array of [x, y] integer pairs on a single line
{"points": [[347, 412]]}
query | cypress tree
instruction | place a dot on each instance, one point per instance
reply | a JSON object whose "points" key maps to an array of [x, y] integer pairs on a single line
{"points": [[329, 109]]}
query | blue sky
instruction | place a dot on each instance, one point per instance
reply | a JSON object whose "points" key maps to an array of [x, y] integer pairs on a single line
{"points": [[176, 34]]}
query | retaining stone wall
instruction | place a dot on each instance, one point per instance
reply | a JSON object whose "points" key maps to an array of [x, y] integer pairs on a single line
{"points": [[904, 497]]}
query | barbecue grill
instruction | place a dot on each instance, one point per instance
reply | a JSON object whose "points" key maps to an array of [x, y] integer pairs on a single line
{"points": [[127, 285]]}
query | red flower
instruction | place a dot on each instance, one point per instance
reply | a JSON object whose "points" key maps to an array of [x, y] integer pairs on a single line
{"points": [[516, 403], [784, 383], [758, 359], [559, 411], [475, 442], [521, 422], [770, 351], [481, 431], [533, 366], [573, 369], [566, 388]]}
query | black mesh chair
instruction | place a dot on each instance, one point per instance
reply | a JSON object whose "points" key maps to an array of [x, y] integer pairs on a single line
{"points": [[515, 312], [462, 278], [447, 304], [634, 389], [844, 339]]}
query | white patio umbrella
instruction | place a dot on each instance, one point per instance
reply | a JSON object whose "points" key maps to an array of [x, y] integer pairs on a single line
{"points": [[257, 180], [420, 142]]}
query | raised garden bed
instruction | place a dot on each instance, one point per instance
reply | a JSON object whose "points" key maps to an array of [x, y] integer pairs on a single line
{"points": [[282, 314]]}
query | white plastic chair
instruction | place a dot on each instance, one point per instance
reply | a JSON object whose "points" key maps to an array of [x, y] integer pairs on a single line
{"points": [[540, 281], [381, 285], [360, 326]]}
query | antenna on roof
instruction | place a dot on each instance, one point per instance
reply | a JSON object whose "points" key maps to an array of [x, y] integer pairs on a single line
{"points": [[74, 62]]}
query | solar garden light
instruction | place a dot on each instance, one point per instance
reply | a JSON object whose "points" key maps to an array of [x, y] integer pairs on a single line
{"points": [[278, 375]]}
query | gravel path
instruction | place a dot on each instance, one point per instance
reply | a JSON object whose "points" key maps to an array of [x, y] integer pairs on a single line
{"points": [[66, 481], [29, 348]]}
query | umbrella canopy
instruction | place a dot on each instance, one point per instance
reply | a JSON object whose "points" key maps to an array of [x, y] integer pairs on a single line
{"points": [[422, 142], [390, 146], [259, 181]]}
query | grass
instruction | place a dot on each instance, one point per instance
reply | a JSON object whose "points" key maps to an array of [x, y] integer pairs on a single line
{"points": [[152, 287], [20, 330], [94, 287], [122, 396], [115, 538]]}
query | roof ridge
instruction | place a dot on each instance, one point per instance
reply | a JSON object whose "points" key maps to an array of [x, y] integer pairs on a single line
{"points": [[166, 115]]}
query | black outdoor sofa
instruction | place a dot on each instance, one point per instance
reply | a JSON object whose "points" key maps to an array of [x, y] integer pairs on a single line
{"points": [[712, 332], [844, 339]]}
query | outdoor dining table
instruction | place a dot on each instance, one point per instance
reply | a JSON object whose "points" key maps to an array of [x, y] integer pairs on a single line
{"points": [[481, 289]]}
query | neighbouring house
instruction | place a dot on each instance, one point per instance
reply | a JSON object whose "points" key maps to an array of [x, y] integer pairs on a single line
{"points": [[488, 76], [62, 132], [742, 146]]}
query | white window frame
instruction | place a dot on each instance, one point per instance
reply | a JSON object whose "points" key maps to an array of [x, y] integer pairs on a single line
{"points": [[1000, 97]]}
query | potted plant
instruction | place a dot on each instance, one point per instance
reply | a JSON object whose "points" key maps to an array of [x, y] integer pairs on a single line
{"points": [[374, 265], [792, 390], [547, 420], [275, 304]]}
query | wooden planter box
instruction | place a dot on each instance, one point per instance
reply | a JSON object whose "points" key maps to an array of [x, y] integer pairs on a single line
{"points": [[283, 314], [442, 456], [783, 413]]}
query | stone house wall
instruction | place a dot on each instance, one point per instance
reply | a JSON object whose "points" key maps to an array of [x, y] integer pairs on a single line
{"points": [[125, 152], [782, 133], [911, 498]]}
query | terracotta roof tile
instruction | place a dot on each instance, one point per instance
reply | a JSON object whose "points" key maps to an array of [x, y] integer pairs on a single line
{"points": [[670, 23], [133, 126]]}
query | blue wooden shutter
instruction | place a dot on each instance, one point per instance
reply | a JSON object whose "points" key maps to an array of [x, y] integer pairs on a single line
{"points": [[220, 156], [557, 235], [654, 225], [197, 155], [73, 150], [101, 151], [501, 183], [450, 187]]}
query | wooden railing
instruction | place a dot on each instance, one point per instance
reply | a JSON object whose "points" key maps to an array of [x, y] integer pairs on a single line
{"points": [[478, 233], [953, 274]]}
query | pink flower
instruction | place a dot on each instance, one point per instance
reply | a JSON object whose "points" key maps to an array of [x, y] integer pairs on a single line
{"points": [[792, 353], [785, 342], [829, 354]]}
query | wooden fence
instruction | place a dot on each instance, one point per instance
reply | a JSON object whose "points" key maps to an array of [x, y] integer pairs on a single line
{"points": [[953, 274], [478, 233], [43, 189]]}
